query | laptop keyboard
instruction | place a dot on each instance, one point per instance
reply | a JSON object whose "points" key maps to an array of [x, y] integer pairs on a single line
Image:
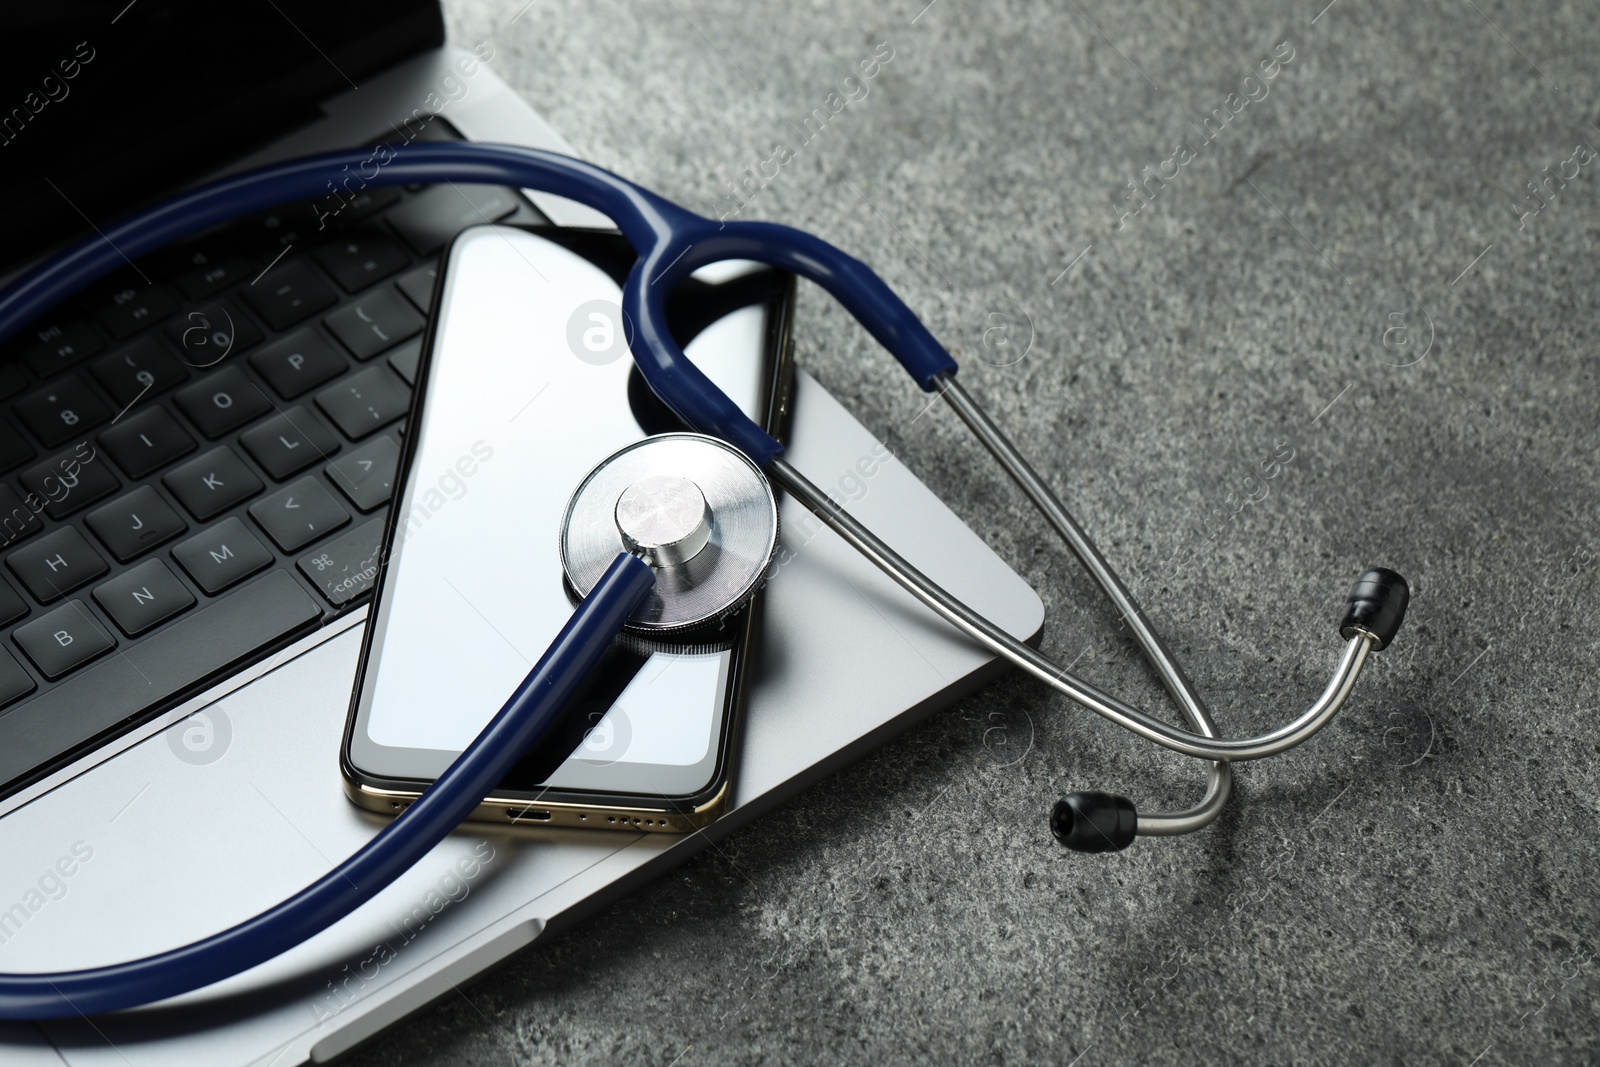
{"points": [[197, 458]]}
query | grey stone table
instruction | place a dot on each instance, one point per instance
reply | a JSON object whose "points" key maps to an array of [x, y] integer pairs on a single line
{"points": [[1191, 255]]}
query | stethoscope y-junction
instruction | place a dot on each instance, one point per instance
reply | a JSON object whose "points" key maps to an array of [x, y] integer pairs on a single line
{"points": [[665, 535]]}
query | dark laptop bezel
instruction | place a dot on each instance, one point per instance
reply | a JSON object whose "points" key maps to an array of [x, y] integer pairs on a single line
{"points": [[171, 90]]}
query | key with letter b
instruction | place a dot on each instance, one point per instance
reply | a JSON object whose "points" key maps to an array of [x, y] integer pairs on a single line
{"points": [[63, 639]]}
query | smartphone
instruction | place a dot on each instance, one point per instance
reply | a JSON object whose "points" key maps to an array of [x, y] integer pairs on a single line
{"points": [[525, 383]]}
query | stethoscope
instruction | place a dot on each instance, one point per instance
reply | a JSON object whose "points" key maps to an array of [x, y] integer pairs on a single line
{"points": [[666, 535]]}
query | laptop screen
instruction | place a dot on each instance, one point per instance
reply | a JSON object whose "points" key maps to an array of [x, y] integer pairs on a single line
{"points": [[104, 103]]}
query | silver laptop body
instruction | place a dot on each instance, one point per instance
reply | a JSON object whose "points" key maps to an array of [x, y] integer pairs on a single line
{"points": [[165, 848]]}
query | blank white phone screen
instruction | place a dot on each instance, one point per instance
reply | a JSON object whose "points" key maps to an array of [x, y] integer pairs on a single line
{"points": [[526, 392]]}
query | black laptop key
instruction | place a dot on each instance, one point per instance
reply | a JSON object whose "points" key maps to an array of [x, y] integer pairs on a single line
{"points": [[222, 556], [346, 566], [70, 481], [360, 258], [66, 346], [298, 363], [433, 217], [377, 322], [223, 400], [366, 475], [289, 294], [146, 441], [405, 358], [205, 281], [141, 598], [61, 326], [298, 514], [13, 449], [19, 519], [208, 268], [418, 286], [289, 442], [366, 401], [207, 334], [62, 411], [129, 309], [267, 235], [196, 253], [357, 206], [12, 606], [138, 371], [12, 380], [56, 564], [170, 663], [65, 638], [212, 482], [132, 525], [14, 681]]}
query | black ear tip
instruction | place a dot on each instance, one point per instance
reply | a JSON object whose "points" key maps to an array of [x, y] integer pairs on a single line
{"points": [[1094, 822], [1378, 603]]}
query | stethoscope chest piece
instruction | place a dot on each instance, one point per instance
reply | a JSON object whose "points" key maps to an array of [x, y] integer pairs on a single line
{"points": [[692, 507]]}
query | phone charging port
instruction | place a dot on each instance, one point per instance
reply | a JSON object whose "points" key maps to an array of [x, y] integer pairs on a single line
{"points": [[528, 815]]}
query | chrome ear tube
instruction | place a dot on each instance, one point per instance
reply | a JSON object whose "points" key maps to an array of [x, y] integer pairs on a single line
{"points": [[1101, 822]]}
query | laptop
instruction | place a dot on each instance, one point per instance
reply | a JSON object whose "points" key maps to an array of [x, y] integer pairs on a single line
{"points": [[166, 775]]}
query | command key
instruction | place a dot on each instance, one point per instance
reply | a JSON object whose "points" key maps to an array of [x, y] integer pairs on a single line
{"points": [[347, 566]]}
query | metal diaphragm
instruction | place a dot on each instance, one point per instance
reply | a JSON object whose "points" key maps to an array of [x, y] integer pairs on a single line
{"points": [[694, 508]]}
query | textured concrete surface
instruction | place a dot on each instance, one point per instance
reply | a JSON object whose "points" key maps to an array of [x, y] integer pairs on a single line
{"points": [[1417, 885]]}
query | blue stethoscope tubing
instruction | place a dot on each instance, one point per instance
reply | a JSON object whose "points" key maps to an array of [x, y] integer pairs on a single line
{"points": [[671, 243]]}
